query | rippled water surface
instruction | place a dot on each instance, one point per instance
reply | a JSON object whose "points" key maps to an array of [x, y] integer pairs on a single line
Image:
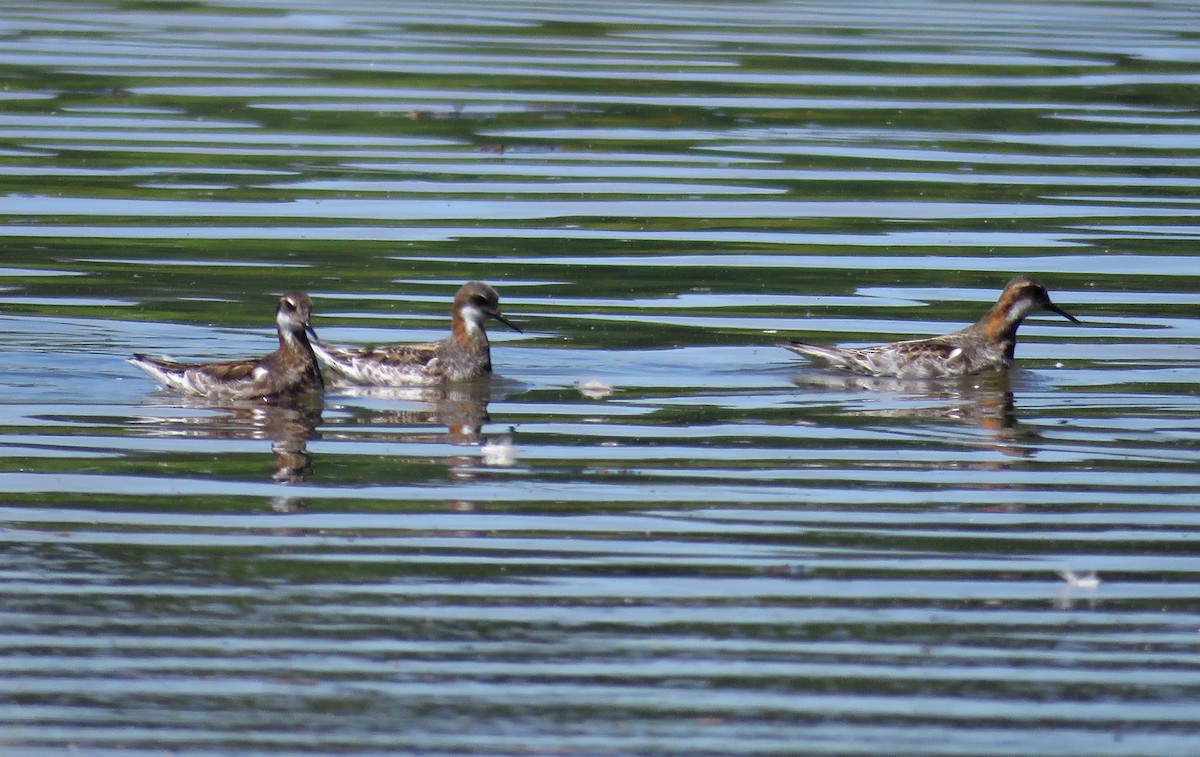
{"points": [[653, 531]]}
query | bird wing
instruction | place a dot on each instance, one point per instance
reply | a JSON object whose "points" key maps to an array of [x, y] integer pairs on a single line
{"points": [[401, 355], [383, 365], [233, 377], [916, 358]]}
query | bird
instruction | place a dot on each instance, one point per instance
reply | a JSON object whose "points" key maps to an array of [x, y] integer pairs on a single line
{"points": [[289, 371], [988, 344], [463, 355]]}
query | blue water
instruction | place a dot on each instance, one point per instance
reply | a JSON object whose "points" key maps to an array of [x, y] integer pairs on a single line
{"points": [[653, 531]]}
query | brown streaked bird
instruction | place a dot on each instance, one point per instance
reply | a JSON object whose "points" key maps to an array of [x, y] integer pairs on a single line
{"points": [[988, 344], [465, 354], [288, 371]]}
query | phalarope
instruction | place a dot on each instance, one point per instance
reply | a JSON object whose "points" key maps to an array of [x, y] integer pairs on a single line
{"points": [[288, 371], [465, 354], [985, 345]]}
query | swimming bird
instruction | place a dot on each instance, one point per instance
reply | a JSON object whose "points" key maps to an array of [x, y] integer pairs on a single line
{"points": [[465, 354], [288, 371], [988, 344]]}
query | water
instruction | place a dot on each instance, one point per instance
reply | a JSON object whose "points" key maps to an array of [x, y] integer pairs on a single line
{"points": [[653, 531]]}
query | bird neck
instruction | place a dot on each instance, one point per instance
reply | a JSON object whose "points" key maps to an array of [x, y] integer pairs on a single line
{"points": [[294, 338], [468, 330]]}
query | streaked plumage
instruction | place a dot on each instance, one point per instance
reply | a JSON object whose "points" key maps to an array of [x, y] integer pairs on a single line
{"points": [[465, 354], [988, 344], [288, 371]]}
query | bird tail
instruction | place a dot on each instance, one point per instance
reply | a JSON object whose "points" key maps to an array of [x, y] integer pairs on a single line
{"points": [[830, 355], [156, 368]]}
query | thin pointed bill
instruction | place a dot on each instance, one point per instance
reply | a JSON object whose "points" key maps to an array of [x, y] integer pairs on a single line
{"points": [[499, 317], [1056, 309]]}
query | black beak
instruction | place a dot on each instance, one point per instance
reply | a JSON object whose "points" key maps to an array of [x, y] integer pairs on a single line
{"points": [[1056, 309], [308, 328], [500, 317]]}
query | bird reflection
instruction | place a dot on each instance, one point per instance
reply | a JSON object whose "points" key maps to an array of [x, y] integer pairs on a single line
{"points": [[984, 400], [461, 408], [1077, 586], [288, 423], [454, 413]]}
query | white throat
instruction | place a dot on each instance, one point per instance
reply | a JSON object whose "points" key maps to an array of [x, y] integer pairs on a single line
{"points": [[1026, 309], [287, 328], [472, 319]]}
